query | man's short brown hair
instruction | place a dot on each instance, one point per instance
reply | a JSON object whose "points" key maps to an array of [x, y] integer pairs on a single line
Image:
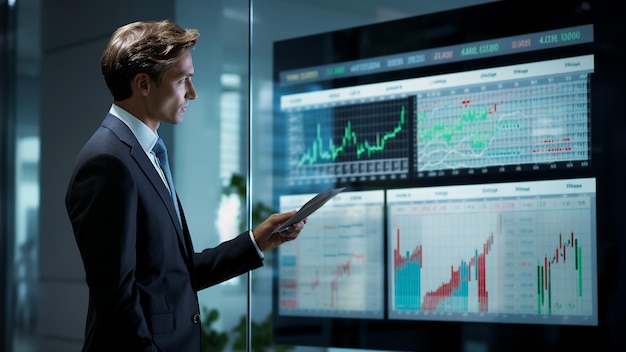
{"points": [[143, 47]]}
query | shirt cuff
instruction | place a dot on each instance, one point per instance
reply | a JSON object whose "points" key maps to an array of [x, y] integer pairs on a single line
{"points": [[261, 255]]}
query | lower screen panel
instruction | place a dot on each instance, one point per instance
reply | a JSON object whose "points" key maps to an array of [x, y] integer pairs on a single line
{"points": [[336, 266], [519, 252]]}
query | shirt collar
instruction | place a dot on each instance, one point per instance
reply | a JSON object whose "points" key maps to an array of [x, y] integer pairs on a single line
{"points": [[147, 139]]}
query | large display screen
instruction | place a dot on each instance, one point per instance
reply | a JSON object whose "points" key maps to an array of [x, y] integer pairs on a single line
{"points": [[470, 156]]}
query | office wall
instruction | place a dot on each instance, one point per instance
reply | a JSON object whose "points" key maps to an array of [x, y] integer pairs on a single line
{"points": [[74, 100]]}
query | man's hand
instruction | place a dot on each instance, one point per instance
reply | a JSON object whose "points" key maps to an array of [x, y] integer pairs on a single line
{"points": [[267, 240]]}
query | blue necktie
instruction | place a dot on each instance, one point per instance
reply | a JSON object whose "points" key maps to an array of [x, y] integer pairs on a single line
{"points": [[161, 153]]}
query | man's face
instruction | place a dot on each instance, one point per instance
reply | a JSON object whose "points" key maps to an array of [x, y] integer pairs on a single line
{"points": [[169, 99]]}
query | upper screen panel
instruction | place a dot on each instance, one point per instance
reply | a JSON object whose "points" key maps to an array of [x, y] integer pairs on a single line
{"points": [[435, 108], [533, 116]]}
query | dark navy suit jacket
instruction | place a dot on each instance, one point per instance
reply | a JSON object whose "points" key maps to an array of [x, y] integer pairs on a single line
{"points": [[140, 266]]}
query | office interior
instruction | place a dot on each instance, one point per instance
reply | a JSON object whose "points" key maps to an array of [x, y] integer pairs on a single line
{"points": [[53, 97]]}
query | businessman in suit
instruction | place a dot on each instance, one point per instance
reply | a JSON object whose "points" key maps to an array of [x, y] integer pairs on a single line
{"points": [[140, 265]]}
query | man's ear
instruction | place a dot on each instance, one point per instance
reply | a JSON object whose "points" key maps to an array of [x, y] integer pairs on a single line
{"points": [[141, 84]]}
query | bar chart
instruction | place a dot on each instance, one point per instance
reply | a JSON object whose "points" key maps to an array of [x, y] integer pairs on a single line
{"points": [[490, 252]]}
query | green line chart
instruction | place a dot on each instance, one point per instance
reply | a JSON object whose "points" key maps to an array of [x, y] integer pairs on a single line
{"points": [[320, 152], [363, 141]]}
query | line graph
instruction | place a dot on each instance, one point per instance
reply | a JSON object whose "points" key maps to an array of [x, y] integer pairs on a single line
{"points": [[333, 266], [360, 141], [531, 121], [318, 153]]}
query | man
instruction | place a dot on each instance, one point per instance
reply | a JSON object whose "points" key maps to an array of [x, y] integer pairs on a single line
{"points": [[141, 269]]}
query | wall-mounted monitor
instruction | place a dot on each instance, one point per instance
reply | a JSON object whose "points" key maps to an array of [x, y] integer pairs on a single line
{"points": [[472, 144]]}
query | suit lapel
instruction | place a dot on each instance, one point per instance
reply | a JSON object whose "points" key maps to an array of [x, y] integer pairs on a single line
{"points": [[137, 153]]}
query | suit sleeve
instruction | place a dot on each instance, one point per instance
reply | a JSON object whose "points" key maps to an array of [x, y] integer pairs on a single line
{"points": [[227, 260], [102, 205]]}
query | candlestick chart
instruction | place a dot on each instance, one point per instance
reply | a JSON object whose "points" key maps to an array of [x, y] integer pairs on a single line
{"points": [[517, 259], [331, 268]]}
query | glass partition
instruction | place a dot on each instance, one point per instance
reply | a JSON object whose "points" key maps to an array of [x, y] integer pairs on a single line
{"points": [[19, 182], [211, 156]]}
